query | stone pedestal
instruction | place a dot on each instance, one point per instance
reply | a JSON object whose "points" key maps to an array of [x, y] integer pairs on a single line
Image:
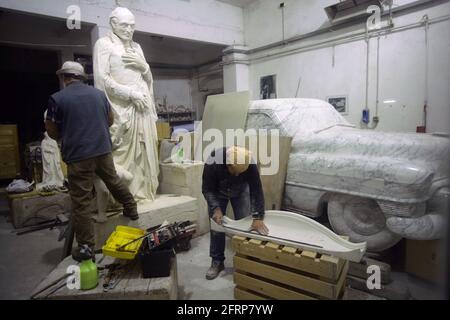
{"points": [[172, 208], [132, 286], [186, 179]]}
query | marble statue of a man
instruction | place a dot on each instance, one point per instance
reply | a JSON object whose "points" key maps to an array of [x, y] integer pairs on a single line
{"points": [[120, 70]]}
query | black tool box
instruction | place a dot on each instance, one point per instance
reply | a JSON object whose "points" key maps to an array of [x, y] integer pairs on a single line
{"points": [[156, 263], [159, 249]]}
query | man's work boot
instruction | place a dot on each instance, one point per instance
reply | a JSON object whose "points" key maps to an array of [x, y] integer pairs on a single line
{"points": [[131, 213], [79, 256], [214, 270]]}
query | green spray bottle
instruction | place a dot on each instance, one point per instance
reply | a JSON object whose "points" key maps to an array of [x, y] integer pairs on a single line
{"points": [[88, 269]]}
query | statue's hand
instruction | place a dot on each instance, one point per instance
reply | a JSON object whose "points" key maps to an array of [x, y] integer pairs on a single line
{"points": [[134, 60], [139, 100]]}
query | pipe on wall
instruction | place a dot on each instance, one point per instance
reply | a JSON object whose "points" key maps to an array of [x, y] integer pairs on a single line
{"points": [[331, 28], [348, 38]]}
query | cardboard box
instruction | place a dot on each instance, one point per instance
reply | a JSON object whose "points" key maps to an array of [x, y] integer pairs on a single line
{"points": [[426, 259], [163, 130]]}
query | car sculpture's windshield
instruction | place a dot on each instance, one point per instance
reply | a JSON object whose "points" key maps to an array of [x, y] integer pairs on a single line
{"points": [[295, 116]]}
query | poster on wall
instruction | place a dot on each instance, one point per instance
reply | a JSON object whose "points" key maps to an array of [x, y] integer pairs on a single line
{"points": [[267, 87], [340, 103]]}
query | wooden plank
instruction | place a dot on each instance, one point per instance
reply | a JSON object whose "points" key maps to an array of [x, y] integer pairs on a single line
{"points": [[308, 254], [241, 294], [273, 185], [268, 289], [239, 239], [273, 246], [136, 286], [300, 281], [340, 287], [326, 268], [289, 250], [165, 288], [255, 242], [330, 259]]}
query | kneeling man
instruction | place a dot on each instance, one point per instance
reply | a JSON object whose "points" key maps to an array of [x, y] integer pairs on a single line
{"points": [[230, 176]]}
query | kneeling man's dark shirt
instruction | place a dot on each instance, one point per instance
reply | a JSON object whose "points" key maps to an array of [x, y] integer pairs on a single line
{"points": [[218, 182]]}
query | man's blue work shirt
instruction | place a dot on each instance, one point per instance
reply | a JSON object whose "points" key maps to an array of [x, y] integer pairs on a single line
{"points": [[81, 114]]}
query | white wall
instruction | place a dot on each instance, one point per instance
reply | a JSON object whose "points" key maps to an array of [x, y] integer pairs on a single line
{"points": [[176, 91], [201, 20], [401, 72], [188, 87], [207, 80]]}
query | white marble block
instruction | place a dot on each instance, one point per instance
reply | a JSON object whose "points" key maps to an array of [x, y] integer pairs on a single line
{"points": [[186, 179], [165, 207]]}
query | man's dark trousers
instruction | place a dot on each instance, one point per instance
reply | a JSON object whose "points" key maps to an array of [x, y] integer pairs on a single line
{"points": [[241, 209], [81, 175]]}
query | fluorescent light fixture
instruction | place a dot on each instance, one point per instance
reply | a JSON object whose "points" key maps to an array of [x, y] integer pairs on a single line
{"points": [[389, 101]]}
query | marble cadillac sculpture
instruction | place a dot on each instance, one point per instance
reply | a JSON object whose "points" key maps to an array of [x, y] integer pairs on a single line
{"points": [[376, 187], [121, 71]]}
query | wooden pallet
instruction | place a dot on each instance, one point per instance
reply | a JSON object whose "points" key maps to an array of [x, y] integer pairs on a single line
{"points": [[272, 271]]}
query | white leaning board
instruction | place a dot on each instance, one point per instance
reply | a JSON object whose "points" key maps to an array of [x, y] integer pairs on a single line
{"points": [[296, 231]]}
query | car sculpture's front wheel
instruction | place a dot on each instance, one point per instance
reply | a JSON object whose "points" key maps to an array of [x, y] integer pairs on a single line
{"points": [[362, 220]]}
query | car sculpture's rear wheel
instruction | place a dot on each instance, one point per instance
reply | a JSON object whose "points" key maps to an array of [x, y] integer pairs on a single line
{"points": [[362, 220]]}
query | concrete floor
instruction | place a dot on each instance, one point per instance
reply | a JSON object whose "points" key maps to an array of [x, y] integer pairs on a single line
{"points": [[26, 260], [192, 266]]}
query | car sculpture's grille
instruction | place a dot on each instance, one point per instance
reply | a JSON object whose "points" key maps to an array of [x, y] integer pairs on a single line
{"points": [[401, 209]]}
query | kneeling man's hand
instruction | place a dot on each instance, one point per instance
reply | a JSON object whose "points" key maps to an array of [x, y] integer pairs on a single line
{"points": [[217, 216], [260, 227]]}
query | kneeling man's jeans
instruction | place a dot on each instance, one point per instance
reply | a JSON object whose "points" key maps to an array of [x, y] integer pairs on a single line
{"points": [[241, 209]]}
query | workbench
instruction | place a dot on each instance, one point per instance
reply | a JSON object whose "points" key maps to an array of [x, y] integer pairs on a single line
{"points": [[132, 286]]}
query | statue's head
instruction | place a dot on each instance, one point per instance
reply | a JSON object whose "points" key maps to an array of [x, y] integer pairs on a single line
{"points": [[122, 23]]}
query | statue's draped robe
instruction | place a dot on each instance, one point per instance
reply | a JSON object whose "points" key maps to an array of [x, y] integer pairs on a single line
{"points": [[52, 174], [133, 133]]}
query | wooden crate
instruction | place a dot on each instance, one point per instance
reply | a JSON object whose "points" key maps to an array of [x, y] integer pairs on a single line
{"points": [[264, 270], [9, 152]]}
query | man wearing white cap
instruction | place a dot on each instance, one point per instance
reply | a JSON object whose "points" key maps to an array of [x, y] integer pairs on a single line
{"points": [[80, 115], [230, 176]]}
